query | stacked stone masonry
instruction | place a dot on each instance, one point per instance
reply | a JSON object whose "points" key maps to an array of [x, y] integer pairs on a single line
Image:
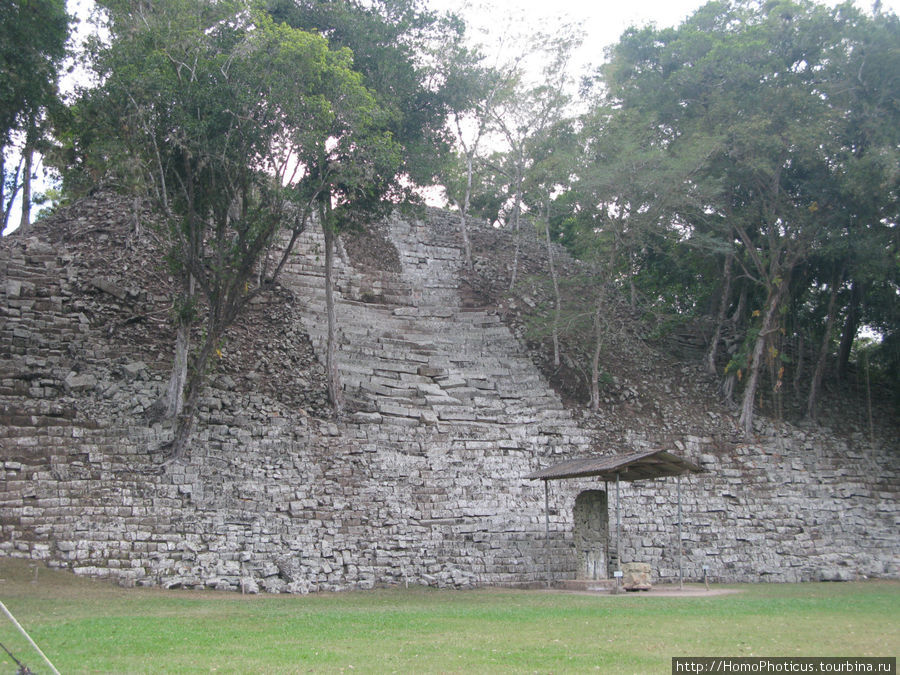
{"points": [[421, 483]]}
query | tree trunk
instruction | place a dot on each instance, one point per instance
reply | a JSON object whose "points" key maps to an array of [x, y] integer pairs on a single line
{"points": [[632, 292], [738, 314], [3, 192], [816, 384], [758, 354], [7, 198], [713, 353], [185, 420], [335, 394], [727, 385], [517, 207], [556, 296], [467, 246], [848, 335], [174, 397], [28, 153], [726, 389], [464, 212], [800, 363], [599, 335], [171, 402]]}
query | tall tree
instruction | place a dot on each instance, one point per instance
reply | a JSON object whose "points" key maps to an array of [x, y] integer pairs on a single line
{"points": [[753, 85], [392, 43], [525, 111], [475, 88], [552, 156], [867, 178], [220, 108], [623, 198], [33, 37]]}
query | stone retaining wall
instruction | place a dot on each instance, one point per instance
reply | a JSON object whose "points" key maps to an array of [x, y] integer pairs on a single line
{"points": [[421, 484]]}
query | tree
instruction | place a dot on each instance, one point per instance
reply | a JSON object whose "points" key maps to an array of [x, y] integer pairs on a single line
{"points": [[220, 109], [752, 90], [475, 90], [405, 144], [624, 201], [552, 157], [865, 81], [524, 112], [33, 37]]}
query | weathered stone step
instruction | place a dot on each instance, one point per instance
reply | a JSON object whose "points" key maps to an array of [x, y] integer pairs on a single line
{"points": [[595, 585], [411, 352]]}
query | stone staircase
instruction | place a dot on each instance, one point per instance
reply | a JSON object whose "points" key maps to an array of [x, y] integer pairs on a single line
{"points": [[449, 409], [415, 355]]}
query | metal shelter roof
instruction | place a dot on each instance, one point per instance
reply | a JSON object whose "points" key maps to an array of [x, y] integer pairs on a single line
{"points": [[630, 467]]}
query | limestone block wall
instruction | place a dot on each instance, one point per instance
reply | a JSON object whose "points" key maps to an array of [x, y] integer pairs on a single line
{"points": [[421, 483], [796, 506], [283, 507]]}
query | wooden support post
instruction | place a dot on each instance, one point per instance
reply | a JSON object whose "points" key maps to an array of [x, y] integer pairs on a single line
{"points": [[618, 572], [607, 571], [547, 527], [680, 546]]}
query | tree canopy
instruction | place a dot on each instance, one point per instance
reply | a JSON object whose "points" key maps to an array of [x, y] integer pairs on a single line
{"points": [[32, 45], [33, 37], [760, 120], [238, 126], [739, 172]]}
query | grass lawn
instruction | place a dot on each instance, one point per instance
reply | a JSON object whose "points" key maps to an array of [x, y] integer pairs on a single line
{"points": [[91, 626]]}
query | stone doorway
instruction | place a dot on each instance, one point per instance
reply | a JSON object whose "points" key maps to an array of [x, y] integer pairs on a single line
{"points": [[591, 516]]}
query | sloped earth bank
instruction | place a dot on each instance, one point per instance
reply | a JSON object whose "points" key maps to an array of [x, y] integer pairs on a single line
{"points": [[118, 277], [644, 385], [118, 273]]}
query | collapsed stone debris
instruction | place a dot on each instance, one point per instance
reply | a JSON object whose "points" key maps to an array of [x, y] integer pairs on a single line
{"points": [[421, 482]]}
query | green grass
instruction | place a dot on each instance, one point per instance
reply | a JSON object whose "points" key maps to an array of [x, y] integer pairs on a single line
{"points": [[91, 626]]}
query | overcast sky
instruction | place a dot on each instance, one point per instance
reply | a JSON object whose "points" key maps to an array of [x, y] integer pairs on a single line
{"points": [[602, 21]]}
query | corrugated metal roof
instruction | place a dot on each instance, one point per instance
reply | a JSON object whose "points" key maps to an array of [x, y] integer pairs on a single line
{"points": [[632, 466]]}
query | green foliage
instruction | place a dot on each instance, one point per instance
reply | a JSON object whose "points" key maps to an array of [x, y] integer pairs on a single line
{"points": [[32, 45], [882, 359], [389, 40], [759, 130], [490, 189], [766, 133], [213, 104], [33, 37], [238, 128]]}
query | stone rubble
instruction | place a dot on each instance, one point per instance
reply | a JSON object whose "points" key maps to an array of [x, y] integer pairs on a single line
{"points": [[421, 483]]}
